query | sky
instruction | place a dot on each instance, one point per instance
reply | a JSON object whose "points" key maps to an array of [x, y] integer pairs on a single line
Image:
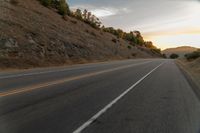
{"points": [[167, 23]]}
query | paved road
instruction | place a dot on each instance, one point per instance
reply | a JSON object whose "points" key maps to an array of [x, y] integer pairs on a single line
{"points": [[132, 96]]}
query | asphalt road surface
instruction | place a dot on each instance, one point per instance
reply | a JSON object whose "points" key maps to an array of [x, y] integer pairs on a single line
{"points": [[132, 96]]}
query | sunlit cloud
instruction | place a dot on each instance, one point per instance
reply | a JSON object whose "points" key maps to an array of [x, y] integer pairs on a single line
{"points": [[104, 12], [173, 22]]}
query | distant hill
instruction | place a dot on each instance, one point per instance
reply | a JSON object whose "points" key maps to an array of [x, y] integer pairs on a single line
{"points": [[181, 51]]}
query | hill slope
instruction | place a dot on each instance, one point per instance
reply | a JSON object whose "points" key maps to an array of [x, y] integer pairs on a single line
{"points": [[181, 51], [32, 35]]}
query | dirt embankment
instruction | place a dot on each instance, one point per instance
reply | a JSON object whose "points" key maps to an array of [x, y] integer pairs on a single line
{"points": [[192, 68], [32, 35]]}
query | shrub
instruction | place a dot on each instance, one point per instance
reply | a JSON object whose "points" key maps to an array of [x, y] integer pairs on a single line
{"points": [[14, 2], [92, 33], [174, 56], [62, 7], [74, 21], [133, 54], [164, 56], [129, 47], [87, 30], [193, 55], [46, 2], [114, 40], [65, 17]]}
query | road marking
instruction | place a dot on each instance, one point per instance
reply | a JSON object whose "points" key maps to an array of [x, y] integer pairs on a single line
{"points": [[93, 118], [38, 73], [39, 86], [45, 72]]}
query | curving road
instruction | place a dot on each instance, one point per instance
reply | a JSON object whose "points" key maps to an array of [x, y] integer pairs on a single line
{"points": [[131, 96]]}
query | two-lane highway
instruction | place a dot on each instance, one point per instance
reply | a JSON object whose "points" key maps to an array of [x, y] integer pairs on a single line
{"points": [[132, 96]]}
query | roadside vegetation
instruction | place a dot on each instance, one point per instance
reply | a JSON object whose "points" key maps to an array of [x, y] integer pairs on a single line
{"points": [[133, 37], [192, 56], [174, 56]]}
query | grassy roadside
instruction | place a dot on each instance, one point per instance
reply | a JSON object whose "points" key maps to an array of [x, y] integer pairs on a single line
{"points": [[192, 68]]}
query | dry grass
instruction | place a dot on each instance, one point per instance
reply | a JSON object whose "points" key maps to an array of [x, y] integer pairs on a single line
{"points": [[192, 68], [50, 39]]}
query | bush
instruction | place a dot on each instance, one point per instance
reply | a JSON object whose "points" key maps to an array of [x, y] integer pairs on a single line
{"points": [[14, 2], [92, 33], [193, 55], [46, 3], [74, 21], [62, 7], [114, 40], [133, 54], [164, 56], [129, 47], [174, 56]]}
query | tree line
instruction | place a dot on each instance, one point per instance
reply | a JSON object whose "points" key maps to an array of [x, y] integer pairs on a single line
{"points": [[134, 37], [193, 55], [63, 9], [60, 5]]}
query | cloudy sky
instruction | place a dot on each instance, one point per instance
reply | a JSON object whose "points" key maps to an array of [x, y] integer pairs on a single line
{"points": [[168, 23]]}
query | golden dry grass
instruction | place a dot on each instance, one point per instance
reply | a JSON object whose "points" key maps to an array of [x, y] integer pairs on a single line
{"points": [[192, 68]]}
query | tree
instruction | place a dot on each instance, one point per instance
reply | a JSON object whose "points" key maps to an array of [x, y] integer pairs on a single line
{"points": [[174, 56], [46, 2], [60, 5], [120, 33], [63, 7], [93, 19], [130, 37], [149, 44], [139, 38], [193, 55], [164, 56], [85, 14], [78, 14], [88, 16]]}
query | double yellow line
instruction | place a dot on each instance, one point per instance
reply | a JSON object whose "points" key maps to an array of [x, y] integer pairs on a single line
{"points": [[43, 85]]}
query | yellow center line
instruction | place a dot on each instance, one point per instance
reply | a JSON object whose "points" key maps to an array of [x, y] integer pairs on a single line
{"points": [[39, 86]]}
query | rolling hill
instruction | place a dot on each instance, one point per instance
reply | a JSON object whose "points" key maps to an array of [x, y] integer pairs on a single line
{"points": [[181, 51]]}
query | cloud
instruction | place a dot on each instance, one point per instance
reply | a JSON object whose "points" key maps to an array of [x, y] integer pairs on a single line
{"points": [[109, 11], [97, 11], [153, 18], [104, 12]]}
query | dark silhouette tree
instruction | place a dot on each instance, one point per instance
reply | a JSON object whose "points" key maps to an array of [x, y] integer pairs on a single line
{"points": [[78, 14], [85, 14], [174, 56], [63, 8]]}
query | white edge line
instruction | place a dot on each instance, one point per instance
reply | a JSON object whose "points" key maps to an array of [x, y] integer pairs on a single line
{"points": [[93, 118]]}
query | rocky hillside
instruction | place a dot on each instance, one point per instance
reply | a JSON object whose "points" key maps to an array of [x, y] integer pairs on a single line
{"points": [[32, 35], [181, 51]]}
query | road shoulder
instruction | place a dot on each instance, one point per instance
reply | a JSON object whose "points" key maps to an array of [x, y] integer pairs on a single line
{"points": [[192, 77]]}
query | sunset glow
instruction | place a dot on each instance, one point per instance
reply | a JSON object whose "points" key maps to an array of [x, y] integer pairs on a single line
{"points": [[171, 24]]}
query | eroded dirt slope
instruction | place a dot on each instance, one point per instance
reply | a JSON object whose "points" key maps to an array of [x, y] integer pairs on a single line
{"points": [[32, 35]]}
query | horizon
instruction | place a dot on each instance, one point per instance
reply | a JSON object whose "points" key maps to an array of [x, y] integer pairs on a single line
{"points": [[174, 23]]}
